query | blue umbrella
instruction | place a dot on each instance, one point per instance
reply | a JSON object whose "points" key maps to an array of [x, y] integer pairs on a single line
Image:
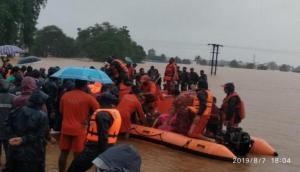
{"points": [[10, 50], [28, 60], [83, 73]]}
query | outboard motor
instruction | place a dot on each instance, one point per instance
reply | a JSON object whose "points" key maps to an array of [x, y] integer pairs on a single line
{"points": [[238, 141]]}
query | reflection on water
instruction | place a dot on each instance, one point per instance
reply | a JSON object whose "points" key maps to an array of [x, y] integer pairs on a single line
{"points": [[272, 107]]}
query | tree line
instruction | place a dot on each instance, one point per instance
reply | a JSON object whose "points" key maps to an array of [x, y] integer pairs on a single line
{"points": [[95, 42], [18, 19]]}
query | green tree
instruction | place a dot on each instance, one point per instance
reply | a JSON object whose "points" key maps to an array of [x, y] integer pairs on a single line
{"points": [[100, 41], [234, 64], [262, 67], [52, 41], [250, 65], [272, 66], [177, 59], [10, 15], [285, 68], [186, 61], [297, 69], [203, 62], [18, 19], [163, 57]]}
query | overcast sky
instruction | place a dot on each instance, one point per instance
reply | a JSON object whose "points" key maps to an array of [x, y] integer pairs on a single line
{"points": [[268, 30]]}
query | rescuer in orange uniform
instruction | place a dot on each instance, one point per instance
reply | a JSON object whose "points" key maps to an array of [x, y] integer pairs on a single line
{"points": [[130, 105], [171, 76], [102, 133], [204, 109], [118, 70]]}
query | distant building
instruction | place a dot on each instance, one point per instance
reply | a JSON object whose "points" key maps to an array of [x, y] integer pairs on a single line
{"points": [[151, 53]]}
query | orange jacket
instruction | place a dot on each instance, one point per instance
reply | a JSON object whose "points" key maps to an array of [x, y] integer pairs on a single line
{"points": [[113, 131], [209, 103], [127, 106], [199, 123], [75, 107], [95, 88], [239, 108], [122, 65], [171, 73]]}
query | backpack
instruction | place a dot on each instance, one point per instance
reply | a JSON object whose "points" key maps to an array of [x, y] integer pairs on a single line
{"points": [[238, 141]]}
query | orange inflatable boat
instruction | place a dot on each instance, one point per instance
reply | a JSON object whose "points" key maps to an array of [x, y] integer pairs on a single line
{"points": [[202, 147]]}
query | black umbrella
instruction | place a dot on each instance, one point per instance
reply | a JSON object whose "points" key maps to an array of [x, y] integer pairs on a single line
{"points": [[28, 60]]}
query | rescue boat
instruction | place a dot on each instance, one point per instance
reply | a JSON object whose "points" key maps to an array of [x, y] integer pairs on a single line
{"points": [[198, 146], [193, 145]]}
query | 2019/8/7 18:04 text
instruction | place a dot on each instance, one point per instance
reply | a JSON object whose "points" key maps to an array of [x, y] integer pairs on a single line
{"points": [[261, 160]]}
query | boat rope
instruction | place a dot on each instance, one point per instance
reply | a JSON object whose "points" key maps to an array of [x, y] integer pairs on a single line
{"points": [[148, 135], [187, 144]]}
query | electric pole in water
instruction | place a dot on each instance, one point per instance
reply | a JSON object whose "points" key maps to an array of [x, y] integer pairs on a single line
{"points": [[254, 57], [214, 61]]}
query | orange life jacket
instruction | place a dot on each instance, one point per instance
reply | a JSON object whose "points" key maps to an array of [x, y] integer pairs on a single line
{"points": [[209, 103], [113, 131], [171, 73], [95, 87], [199, 123], [122, 65], [240, 107]]}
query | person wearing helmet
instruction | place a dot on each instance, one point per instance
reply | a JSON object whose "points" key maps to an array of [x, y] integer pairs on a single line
{"points": [[102, 132], [232, 107]]}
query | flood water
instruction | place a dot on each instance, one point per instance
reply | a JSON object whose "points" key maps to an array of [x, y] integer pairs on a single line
{"points": [[272, 106]]}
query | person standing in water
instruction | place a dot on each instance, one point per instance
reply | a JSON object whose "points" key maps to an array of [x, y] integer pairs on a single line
{"points": [[232, 107]]}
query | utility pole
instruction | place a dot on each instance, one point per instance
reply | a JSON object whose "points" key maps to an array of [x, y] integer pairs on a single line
{"points": [[254, 57], [215, 53]]}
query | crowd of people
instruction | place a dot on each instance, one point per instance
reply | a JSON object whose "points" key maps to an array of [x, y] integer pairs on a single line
{"points": [[90, 115]]}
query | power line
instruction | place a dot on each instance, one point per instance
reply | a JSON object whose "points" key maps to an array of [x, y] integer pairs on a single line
{"points": [[190, 45], [215, 53], [263, 49]]}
